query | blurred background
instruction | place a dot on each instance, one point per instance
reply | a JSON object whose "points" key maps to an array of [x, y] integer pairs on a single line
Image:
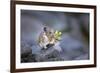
{"points": [[75, 35]]}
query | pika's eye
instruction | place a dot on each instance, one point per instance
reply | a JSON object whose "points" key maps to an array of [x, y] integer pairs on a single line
{"points": [[45, 29], [50, 32]]}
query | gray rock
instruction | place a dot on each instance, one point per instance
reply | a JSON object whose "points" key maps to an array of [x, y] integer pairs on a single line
{"points": [[82, 57], [25, 48], [49, 54], [35, 49]]}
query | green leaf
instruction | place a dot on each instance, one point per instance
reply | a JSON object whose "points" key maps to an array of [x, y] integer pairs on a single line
{"points": [[58, 35]]}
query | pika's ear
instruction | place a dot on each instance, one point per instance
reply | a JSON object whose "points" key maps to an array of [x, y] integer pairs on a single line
{"points": [[45, 28]]}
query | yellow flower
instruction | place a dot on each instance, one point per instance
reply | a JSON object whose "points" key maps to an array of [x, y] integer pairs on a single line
{"points": [[58, 35]]}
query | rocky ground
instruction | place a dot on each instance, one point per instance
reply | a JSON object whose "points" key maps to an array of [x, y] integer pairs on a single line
{"points": [[33, 53]]}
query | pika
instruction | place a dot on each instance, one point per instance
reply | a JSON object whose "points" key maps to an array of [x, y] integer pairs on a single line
{"points": [[46, 38]]}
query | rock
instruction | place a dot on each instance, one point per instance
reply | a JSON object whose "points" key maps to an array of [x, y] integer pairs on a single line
{"points": [[35, 49], [57, 46], [26, 51], [28, 58], [82, 57], [25, 48], [48, 55]]}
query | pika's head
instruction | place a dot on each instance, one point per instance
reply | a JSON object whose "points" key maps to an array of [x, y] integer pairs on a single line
{"points": [[48, 31]]}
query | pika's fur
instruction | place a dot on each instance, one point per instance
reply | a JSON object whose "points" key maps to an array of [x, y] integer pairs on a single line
{"points": [[46, 37]]}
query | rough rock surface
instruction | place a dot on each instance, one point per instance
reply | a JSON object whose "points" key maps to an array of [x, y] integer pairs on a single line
{"points": [[33, 53]]}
